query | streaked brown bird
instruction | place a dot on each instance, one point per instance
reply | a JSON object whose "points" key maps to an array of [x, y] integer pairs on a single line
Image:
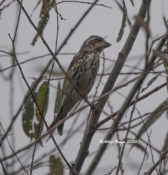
{"points": [[81, 74]]}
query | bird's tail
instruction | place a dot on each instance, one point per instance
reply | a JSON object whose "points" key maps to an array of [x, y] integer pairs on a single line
{"points": [[60, 116]]}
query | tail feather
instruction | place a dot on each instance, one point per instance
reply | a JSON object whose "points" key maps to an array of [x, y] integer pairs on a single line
{"points": [[65, 108], [60, 129], [60, 116]]}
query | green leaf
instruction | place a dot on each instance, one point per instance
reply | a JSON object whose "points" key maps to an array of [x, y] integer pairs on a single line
{"points": [[27, 117], [165, 61], [33, 130], [156, 114], [58, 99], [165, 145], [123, 24], [44, 17], [132, 2], [38, 129], [165, 22], [56, 166], [150, 82], [38, 3], [164, 57], [42, 100]]}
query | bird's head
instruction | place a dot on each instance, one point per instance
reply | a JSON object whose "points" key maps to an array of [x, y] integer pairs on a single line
{"points": [[95, 43]]}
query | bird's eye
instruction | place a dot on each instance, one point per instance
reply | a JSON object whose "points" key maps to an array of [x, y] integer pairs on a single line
{"points": [[99, 39]]}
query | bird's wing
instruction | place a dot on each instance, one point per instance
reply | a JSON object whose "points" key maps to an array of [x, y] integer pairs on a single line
{"points": [[70, 70]]}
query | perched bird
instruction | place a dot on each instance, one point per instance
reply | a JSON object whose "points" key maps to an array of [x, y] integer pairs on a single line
{"points": [[81, 74]]}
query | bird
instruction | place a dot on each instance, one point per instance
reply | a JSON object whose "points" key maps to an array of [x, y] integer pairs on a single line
{"points": [[80, 77]]}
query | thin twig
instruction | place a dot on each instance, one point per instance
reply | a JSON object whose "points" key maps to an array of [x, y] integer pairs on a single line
{"points": [[14, 153], [163, 156], [83, 2]]}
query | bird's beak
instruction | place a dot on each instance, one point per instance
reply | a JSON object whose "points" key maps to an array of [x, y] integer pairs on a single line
{"points": [[107, 44]]}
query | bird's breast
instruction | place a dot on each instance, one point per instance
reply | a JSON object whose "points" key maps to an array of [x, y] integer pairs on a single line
{"points": [[85, 73]]}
